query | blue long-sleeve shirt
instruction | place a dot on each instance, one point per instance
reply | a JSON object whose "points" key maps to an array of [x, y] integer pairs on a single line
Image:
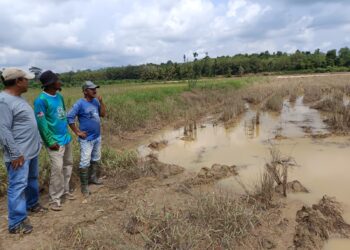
{"points": [[88, 114]]}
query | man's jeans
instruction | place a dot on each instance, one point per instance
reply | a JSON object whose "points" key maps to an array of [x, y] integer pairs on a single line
{"points": [[89, 151], [23, 190], [61, 171]]}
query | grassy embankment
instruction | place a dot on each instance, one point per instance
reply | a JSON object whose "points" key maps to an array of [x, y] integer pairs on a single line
{"points": [[142, 106]]}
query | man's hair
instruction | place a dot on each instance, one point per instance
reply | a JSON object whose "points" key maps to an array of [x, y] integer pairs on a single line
{"points": [[11, 82]]}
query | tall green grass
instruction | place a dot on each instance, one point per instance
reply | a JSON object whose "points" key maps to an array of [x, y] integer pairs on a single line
{"points": [[133, 106]]}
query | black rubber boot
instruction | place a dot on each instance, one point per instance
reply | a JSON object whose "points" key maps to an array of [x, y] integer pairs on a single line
{"points": [[93, 179], [83, 172]]}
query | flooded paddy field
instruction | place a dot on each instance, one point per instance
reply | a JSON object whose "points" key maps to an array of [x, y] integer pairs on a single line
{"points": [[299, 131]]}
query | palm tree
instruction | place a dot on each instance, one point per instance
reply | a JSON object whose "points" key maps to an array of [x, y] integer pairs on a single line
{"points": [[37, 71]]}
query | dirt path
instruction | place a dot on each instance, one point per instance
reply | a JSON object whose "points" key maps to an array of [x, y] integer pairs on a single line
{"points": [[60, 230], [313, 75]]}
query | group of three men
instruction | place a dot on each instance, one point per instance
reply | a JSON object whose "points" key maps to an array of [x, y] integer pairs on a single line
{"points": [[20, 127]]}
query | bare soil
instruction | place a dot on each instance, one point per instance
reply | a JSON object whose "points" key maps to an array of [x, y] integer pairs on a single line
{"points": [[114, 216]]}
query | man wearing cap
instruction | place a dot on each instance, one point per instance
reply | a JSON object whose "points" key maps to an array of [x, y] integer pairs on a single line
{"points": [[21, 144], [51, 117], [88, 110]]}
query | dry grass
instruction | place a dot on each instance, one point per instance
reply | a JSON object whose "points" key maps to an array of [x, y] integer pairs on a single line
{"points": [[92, 231], [327, 95], [330, 103], [232, 108], [229, 221], [293, 97], [265, 189], [312, 93], [340, 120], [337, 112], [210, 221], [274, 103], [115, 161], [278, 168], [171, 230], [259, 94]]}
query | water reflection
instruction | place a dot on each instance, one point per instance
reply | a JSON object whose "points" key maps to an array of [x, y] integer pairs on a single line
{"points": [[252, 126], [324, 163]]}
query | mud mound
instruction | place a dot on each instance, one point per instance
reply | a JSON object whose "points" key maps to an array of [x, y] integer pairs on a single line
{"points": [[318, 223], [292, 187], [188, 138], [153, 167], [280, 137], [320, 136], [150, 166], [216, 172], [158, 145]]}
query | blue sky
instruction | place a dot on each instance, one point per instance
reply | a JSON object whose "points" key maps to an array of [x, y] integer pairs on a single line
{"points": [[68, 35]]}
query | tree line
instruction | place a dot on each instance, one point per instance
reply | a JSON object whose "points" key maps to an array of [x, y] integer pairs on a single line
{"points": [[238, 65]]}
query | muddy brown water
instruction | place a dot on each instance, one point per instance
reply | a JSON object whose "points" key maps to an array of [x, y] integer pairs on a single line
{"points": [[323, 164]]}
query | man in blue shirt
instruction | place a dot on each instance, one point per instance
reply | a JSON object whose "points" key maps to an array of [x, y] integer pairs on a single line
{"points": [[88, 110]]}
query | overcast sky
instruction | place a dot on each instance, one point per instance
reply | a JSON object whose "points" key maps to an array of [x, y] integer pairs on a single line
{"points": [[68, 35]]}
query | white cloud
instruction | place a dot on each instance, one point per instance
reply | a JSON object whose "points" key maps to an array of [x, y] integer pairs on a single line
{"points": [[78, 34], [245, 11], [234, 6]]}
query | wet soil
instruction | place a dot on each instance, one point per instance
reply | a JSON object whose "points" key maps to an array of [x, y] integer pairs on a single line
{"points": [[299, 131]]}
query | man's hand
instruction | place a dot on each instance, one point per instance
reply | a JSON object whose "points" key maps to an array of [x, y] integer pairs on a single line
{"points": [[81, 134], [18, 162], [55, 147], [103, 107], [99, 98]]}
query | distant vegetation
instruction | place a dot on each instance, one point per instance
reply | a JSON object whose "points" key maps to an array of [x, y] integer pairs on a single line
{"points": [[240, 64], [223, 66]]}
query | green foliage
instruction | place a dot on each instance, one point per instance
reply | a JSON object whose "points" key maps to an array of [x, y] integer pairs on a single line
{"points": [[237, 65], [226, 83], [192, 83], [130, 107], [3, 175], [44, 171], [113, 160], [331, 57], [344, 57], [240, 70]]}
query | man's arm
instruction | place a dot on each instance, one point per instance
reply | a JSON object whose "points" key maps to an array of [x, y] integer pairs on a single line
{"points": [[6, 136], [102, 107], [81, 134], [46, 134]]}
